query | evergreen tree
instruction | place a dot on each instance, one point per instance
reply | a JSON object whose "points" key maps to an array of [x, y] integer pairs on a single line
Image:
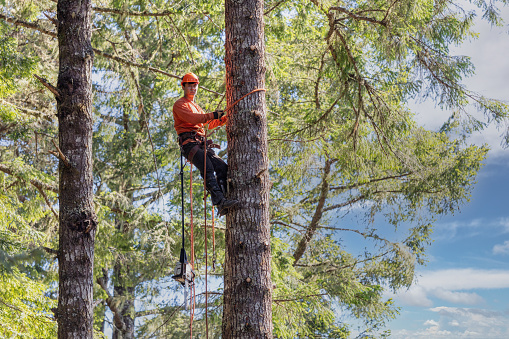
{"points": [[247, 299]]}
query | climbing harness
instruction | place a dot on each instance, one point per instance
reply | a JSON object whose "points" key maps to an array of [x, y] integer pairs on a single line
{"points": [[184, 272]]}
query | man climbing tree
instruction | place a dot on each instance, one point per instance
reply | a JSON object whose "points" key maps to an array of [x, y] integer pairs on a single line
{"points": [[189, 120]]}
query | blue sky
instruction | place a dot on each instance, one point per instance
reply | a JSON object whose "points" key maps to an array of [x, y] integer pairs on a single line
{"points": [[463, 291]]}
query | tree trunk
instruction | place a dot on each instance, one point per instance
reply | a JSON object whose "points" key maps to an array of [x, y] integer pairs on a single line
{"points": [[247, 309], [77, 216], [124, 296], [123, 292]]}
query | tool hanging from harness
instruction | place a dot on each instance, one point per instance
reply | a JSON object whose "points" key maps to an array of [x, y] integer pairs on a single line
{"points": [[184, 273]]}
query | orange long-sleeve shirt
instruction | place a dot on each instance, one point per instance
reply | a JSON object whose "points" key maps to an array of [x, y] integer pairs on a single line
{"points": [[189, 117]]}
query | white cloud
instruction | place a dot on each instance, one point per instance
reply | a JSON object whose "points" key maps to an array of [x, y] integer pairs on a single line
{"points": [[501, 249], [504, 222], [456, 322], [458, 297], [414, 296], [464, 279], [430, 323], [471, 228], [450, 285]]}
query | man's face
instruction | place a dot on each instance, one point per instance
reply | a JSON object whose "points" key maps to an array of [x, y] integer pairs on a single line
{"points": [[190, 88]]}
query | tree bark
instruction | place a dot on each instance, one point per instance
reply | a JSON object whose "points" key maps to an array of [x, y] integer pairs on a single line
{"points": [[123, 293], [76, 216], [247, 311]]}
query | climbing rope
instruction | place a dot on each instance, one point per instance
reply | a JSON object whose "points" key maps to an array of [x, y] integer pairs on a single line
{"points": [[212, 131], [242, 97], [205, 220], [193, 291]]}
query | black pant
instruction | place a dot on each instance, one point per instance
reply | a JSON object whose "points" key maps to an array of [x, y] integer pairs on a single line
{"points": [[215, 167]]}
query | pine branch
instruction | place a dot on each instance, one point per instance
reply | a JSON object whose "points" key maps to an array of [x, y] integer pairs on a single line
{"points": [[349, 187], [132, 13], [267, 12], [300, 298], [36, 114], [99, 52], [39, 185], [153, 69], [50, 320], [127, 13], [59, 154], [311, 229], [50, 250], [26, 24], [358, 17], [344, 204], [49, 86], [47, 201], [34, 182], [117, 317]]}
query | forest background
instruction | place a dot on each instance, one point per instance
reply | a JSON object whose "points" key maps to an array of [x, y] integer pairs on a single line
{"points": [[346, 157]]}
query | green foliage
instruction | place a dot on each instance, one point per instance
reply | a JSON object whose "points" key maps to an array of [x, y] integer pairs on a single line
{"points": [[13, 66], [24, 310], [299, 309]]}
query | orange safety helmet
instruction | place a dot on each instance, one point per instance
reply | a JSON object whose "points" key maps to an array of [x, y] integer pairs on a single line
{"points": [[190, 77]]}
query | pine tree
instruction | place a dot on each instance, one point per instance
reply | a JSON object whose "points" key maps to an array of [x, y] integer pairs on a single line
{"points": [[77, 215], [247, 310]]}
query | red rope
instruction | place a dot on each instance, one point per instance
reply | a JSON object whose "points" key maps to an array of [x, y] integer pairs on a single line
{"points": [[236, 102], [193, 291], [213, 242], [205, 217], [191, 203], [242, 97]]}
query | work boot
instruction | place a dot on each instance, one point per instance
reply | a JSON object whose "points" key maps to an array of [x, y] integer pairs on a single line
{"points": [[223, 187], [215, 191], [218, 199], [225, 205]]}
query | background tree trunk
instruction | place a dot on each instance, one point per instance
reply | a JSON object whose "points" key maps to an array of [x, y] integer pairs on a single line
{"points": [[248, 289], [77, 216], [123, 292]]}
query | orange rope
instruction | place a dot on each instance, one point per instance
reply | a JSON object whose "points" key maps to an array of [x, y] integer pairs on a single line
{"points": [[213, 242], [191, 209], [230, 107], [205, 217], [193, 291], [242, 97]]}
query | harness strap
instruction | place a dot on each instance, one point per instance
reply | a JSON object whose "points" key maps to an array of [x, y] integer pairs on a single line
{"points": [[193, 151], [197, 147]]}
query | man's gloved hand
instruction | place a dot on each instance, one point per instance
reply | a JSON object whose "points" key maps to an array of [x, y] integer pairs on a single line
{"points": [[218, 114]]}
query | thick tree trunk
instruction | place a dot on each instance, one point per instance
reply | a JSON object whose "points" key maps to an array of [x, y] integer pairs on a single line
{"points": [[77, 215], [247, 309]]}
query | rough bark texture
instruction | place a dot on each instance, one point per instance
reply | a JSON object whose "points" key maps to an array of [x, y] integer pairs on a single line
{"points": [[76, 216], [247, 309]]}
